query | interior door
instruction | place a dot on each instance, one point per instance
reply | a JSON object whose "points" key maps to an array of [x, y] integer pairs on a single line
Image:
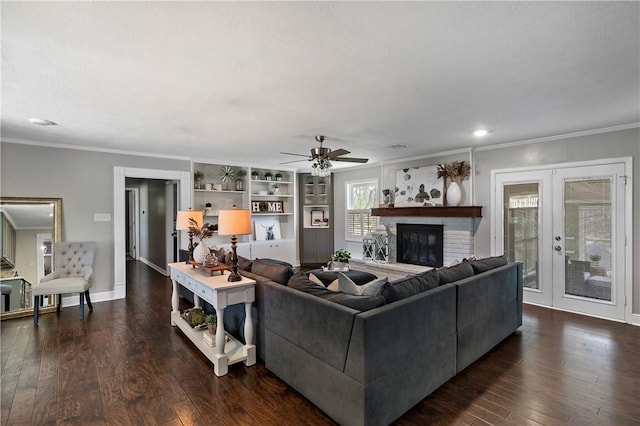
{"points": [[567, 226], [588, 229]]}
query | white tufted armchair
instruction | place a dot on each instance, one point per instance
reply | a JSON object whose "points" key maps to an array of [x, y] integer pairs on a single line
{"points": [[72, 273]]}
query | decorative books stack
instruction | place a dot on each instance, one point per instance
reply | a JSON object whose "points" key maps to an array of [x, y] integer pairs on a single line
{"points": [[210, 338]]}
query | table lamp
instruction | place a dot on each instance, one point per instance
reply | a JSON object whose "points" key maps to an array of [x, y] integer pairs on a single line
{"points": [[234, 222], [185, 221]]}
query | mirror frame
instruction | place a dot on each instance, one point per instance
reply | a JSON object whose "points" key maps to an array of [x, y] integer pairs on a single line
{"points": [[56, 236]]}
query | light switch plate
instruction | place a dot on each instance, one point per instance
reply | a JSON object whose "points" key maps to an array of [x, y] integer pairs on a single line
{"points": [[101, 217]]}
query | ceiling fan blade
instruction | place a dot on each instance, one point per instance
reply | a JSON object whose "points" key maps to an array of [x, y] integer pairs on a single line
{"points": [[296, 161], [338, 152], [350, 159], [291, 153]]}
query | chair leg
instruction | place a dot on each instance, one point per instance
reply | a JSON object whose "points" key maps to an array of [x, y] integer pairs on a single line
{"points": [[36, 308], [89, 304], [7, 302], [81, 305], [59, 302]]}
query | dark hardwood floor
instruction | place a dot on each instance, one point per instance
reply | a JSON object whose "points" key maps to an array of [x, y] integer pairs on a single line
{"points": [[125, 365]]}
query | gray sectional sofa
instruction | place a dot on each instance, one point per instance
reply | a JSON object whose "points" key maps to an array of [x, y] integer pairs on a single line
{"points": [[367, 362]]}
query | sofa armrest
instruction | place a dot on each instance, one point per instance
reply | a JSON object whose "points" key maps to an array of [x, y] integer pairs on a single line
{"points": [[319, 327]]}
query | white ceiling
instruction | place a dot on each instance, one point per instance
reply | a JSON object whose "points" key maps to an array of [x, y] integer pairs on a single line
{"points": [[243, 81], [28, 216]]}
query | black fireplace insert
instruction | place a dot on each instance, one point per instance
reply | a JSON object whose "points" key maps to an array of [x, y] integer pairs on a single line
{"points": [[420, 244]]}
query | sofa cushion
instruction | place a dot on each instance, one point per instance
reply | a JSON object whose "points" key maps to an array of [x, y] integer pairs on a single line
{"points": [[302, 283], [277, 272], [220, 254], [455, 273], [372, 288], [410, 285], [245, 264], [488, 263]]}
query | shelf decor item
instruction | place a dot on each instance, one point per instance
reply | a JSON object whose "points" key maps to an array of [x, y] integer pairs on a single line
{"points": [[278, 176], [185, 220], [240, 179], [268, 176], [197, 179], [234, 222], [226, 175], [457, 171], [255, 175]]}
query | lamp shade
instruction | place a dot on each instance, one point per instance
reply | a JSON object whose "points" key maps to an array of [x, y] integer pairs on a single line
{"points": [[182, 219], [234, 222]]}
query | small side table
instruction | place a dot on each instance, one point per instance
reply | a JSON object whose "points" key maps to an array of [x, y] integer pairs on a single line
{"points": [[220, 293]]}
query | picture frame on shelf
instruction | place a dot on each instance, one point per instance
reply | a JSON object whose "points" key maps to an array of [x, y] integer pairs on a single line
{"points": [[266, 229], [317, 218]]}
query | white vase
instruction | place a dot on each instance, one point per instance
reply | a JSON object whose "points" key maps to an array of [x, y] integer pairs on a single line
{"points": [[454, 194], [200, 253]]}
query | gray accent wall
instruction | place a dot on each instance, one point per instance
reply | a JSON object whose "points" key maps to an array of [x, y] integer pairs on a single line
{"points": [[84, 181]]}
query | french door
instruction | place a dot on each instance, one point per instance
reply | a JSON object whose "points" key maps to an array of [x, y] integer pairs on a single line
{"points": [[567, 225]]}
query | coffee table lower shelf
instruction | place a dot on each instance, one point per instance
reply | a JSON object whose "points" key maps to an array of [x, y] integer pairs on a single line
{"points": [[234, 351]]}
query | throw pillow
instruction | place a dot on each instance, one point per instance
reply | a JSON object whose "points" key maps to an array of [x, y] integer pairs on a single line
{"points": [[220, 254], [410, 285], [333, 286], [302, 283], [455, 273], [273, 271], [488, 263], [244, 264], [372, 288]]}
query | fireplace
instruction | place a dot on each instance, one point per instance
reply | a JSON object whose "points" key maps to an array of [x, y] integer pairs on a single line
{"points": [[420, 244]]}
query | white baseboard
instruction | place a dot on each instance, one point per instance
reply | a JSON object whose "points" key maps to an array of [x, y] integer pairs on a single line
{"points": [[119, 292], [153, 266], [635, 319]]}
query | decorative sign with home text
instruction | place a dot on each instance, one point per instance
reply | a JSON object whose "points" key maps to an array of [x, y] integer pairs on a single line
{"points": [[271, 207]]}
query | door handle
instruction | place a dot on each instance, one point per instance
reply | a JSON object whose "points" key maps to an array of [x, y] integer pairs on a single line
{"points": [[557, 248]]}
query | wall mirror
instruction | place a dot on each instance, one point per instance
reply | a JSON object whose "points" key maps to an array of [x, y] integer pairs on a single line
{"points": [[28, 229]]}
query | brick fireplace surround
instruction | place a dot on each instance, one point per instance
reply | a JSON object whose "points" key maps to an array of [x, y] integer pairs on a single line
{"points": [[458, 239]]}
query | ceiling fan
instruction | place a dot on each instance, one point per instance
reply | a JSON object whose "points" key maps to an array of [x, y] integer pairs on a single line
{"points": [[322, 155]]}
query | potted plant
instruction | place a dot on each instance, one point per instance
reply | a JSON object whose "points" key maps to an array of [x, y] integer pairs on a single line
{"points": [[254, 175], [278, 176], [595, 258], [275, 187], [340, 258], [212, 323], [386, 196], [268, 176], [197, 179]]}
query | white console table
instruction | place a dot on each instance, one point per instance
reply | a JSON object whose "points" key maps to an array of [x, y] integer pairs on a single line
{"points": [[219, 293]]}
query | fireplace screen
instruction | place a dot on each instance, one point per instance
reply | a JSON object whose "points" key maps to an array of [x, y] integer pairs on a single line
{"points": [[420, 244]]}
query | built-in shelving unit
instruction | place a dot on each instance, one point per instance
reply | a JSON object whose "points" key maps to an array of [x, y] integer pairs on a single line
{"points": [[270, 196], [316, 225]]}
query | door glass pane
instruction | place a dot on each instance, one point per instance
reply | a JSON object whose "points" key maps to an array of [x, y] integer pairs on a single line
{"points": [[521, 228], [587, 229]]}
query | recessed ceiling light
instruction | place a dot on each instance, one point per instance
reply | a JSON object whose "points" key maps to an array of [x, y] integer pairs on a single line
{"points": [[480, 133], [42, 122]]}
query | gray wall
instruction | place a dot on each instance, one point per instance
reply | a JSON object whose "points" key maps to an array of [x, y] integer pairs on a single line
{"points": [[623, 143], [84, 181]]}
